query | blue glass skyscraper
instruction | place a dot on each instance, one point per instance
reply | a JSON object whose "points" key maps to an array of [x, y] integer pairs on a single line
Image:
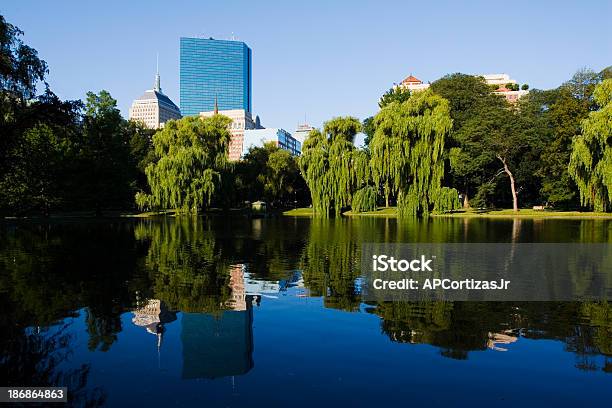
{"points": [[212, 69]]}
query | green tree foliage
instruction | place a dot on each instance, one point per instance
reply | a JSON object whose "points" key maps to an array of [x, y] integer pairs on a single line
{"points": [[20, 67], [52, 156], [141, 151], [43, 161], [281, 169], [560, 114], [503, 136], [591, 158], [468, 97], [447, 200], [20, 71], [512, 86], [408, 151], [364, 199], [582, 84], [328, 166], [395, 94], [191, 154], [368, 129], [269, 173], [106, 156], [35, 182], [489, 133]]}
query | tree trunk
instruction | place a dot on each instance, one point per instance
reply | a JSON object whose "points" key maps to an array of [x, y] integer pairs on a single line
{"points": [[387, 193], [512, 186], [466, 201]]}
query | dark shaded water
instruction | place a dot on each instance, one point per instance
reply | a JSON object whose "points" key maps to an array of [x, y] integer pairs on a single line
{"points": [[237, 312]]}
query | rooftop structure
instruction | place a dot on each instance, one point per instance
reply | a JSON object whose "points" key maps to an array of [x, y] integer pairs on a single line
{"points": [[153, 108], [502, 82], [413, 84], [498, 79], [302, 132]]}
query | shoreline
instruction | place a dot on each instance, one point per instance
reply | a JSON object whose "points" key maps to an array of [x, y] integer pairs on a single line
{"points": [[381, 212], [499, 214]]}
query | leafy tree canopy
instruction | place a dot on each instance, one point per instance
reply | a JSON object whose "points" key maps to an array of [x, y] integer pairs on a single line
{"points": [[408, 150], [191, 155], [327, 164], [591, 158]]}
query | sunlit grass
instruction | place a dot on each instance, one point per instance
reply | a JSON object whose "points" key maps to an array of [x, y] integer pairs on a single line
{"points": [[524, 213], [380, 212], [299, 212]]}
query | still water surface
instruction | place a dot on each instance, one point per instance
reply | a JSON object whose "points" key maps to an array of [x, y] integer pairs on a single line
{"points": [[240, 312]]}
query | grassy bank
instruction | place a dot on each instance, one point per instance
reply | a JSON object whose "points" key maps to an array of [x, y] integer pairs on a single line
{"points": [[380, 212], [524, 213], [471, 213], [307, 212], [299, 212]]}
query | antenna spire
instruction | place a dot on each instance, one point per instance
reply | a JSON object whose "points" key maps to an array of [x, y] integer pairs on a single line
{"points": [[157, 86]]}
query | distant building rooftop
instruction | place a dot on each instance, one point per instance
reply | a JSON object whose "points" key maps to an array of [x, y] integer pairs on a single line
{"points": [[153, 94], [412, 80]]}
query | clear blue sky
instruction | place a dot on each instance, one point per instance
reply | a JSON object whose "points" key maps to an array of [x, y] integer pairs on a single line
{"points": [[314, 58]]}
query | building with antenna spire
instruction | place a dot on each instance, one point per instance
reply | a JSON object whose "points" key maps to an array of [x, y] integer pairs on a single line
{"points": [[154, 108]]}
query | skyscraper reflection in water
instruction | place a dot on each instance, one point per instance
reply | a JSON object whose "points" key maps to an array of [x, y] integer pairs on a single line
{"points": [[220, 344], [216, 343]]}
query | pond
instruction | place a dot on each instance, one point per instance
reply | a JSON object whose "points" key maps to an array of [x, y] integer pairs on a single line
{"points": [[198, 311]]}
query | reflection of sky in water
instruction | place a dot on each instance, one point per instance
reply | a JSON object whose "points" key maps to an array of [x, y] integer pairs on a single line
{"points": [[293, 329], [328, 355], [291, 342]]}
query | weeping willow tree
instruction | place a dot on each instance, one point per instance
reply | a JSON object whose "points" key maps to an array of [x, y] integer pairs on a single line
{"points": [[591, 159], [329, 165], [364, 199], [407, 151], [446, 200], [191, 154]]}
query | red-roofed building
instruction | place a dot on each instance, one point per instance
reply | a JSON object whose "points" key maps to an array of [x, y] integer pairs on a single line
{"points": [[413, 83], [412, 80]]}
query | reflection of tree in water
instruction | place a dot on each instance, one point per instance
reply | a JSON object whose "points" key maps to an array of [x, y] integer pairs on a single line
{"points": [[102, 329], [460, 327], [29, 357], [53, 270], [188, 267], [330, 263], [330, 260]]}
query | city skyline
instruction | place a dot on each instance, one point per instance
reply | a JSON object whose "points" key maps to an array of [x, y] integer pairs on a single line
{"points": [[335, 59]]}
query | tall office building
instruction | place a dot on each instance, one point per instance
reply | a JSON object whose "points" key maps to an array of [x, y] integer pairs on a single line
{"points": [[154, 108], [214, 69]]}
